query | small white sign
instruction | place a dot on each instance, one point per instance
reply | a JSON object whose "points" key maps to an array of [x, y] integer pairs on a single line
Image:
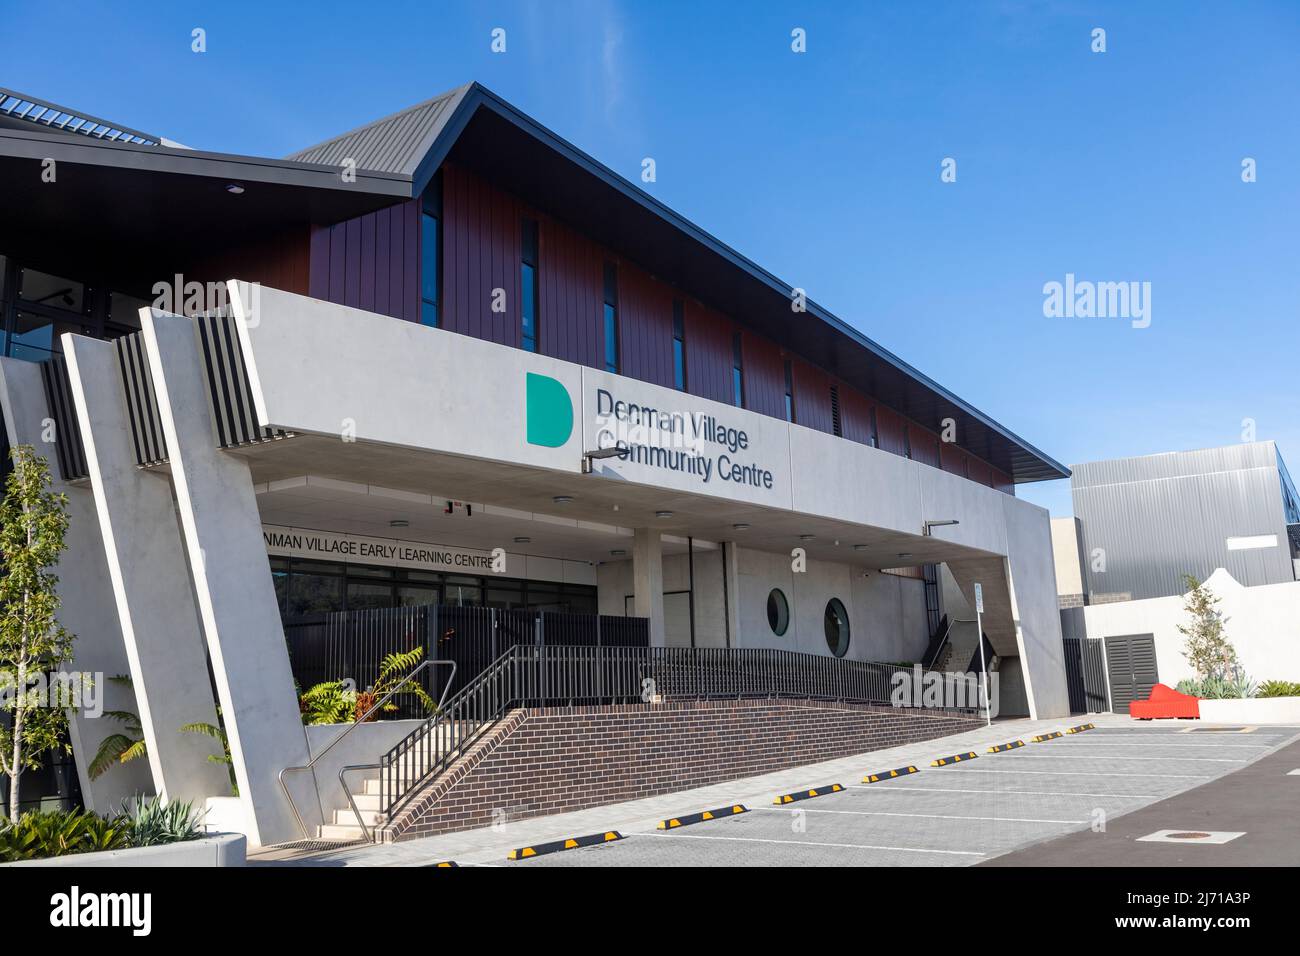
{"points": [[979, 598]]}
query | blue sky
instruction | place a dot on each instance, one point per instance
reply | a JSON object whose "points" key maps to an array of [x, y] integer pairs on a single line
{"points": [[824, 166]]}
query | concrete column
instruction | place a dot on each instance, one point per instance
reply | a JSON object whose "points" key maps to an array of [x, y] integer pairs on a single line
{"points": [[648, 581], [237, 605], [731, 575], [85, 597], [149, 582]]}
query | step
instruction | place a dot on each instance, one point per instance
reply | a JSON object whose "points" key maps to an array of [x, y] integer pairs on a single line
{"points": [[339, 831], [346, 817], [366, 801]]}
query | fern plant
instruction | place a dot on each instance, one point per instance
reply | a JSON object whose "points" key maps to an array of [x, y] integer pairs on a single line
{"points": [[120, 747], [393, 669], [218, 734], [329, 702]]}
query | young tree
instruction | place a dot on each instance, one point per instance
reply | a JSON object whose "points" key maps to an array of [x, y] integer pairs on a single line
{"points": [[33, 522], [1206, 648]]}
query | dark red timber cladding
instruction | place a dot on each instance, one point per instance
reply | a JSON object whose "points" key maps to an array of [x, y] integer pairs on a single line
{"points": [[925, 444], [371, 262], [280, 261], [708, 352], [645, 314], [889, 424], [812, 396], [1002, 481], [571, 294], [981, 472], [552, 761], [481, 240], [764, 375], [954, 459], [855, 411]]}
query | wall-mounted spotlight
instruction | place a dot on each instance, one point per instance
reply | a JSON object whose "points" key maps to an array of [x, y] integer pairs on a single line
{"points": [[589, 456], [937, 524]]}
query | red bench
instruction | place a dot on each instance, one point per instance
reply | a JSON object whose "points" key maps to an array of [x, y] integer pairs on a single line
{"points": [[1165, 702]]}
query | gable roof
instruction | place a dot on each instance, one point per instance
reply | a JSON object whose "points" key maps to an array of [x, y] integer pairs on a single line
{"points": [[477, 128], [394, 144]]}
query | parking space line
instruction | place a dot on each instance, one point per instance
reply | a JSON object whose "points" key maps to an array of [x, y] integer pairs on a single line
{"points": [[1089, 773], [1036, 793], [930, 816], [1082, 757], [673, 835]]}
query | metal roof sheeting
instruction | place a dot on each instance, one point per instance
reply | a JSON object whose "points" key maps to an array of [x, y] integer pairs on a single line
{"points": [[19, 106], [394, 144]]}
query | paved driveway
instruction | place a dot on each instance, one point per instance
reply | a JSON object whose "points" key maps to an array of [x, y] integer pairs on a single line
{"points": [[956, 815]]}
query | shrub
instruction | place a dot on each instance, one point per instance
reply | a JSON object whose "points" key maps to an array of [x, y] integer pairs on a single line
{"points": [[154, 823], [59, 833], [1232, 687], [1279, 688]]}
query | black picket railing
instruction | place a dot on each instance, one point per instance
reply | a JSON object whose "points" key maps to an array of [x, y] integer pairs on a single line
{"points": [[352, 644], [558, 675]]}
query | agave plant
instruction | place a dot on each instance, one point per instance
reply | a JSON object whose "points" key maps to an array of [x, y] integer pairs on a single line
{"points": [[152, 822], [120, 747]]}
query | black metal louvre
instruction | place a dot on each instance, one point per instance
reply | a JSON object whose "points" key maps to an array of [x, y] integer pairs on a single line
{"points": [[68, 447], [230, 392], [141, 401]]}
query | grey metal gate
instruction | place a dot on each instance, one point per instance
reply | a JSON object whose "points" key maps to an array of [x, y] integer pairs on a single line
{"points": [[1085, 675], [1131, 666]]}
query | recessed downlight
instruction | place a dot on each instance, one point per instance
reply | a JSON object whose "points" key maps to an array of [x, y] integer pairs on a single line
{"points": [[861, 547], [663, 514], [399, 523], [235, 189], [563, 499], [807, 537], [618, 553], [740, 527], [523, 540]]}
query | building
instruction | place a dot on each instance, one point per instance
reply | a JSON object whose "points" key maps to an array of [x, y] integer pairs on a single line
{"points": [[449, 359], [1228, 516], [1144, 522]]}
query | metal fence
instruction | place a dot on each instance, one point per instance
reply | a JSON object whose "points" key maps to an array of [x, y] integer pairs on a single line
{"points": [[559, 675], [351, 644]]}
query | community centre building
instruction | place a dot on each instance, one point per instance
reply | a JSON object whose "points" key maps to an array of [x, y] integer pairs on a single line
{"points": [[447, 360]]}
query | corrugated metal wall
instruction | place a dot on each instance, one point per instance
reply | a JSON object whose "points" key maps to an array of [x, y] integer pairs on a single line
{"points": [[1158, 517]]}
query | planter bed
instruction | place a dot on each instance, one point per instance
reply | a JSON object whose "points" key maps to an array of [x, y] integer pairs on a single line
{"points": [[222, 849]]}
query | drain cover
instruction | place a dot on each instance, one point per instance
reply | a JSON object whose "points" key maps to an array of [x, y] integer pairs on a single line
{"points": [[1192, 836]]}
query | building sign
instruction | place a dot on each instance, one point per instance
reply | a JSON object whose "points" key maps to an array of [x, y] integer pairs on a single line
{"points": [[356, 549], [677, 441]]}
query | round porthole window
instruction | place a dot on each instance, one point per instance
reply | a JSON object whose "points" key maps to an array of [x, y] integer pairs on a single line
{"points": [[837, 627], [778, 612]]}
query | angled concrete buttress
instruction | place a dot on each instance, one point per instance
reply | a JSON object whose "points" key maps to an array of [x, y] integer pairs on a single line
{"points": [[85, 598], [149, 581], [232, 584]]}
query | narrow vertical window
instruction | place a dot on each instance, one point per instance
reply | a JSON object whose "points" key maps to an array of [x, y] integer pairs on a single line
{"points": [[611, 318], [679, 346], [789, 391], [837, 424], [528, 285], [737, 372], [430, 247], [874, 438]]}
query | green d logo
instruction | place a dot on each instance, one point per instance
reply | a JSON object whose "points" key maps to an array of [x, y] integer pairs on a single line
{"points": [[549, 411]]}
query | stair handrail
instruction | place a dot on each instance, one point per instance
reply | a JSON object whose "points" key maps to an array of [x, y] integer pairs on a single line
{"points": [[941, 638], [389, 802], [309, 765]]}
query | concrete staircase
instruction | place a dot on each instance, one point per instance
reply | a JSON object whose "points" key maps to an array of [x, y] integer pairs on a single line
{"points": [[344, 825]]}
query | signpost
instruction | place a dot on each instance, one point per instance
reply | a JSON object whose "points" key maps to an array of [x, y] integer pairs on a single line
{"points": [[979, 636]]}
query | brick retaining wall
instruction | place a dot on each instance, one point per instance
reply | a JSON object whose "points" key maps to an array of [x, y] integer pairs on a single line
{"points": [[544, 761]]}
